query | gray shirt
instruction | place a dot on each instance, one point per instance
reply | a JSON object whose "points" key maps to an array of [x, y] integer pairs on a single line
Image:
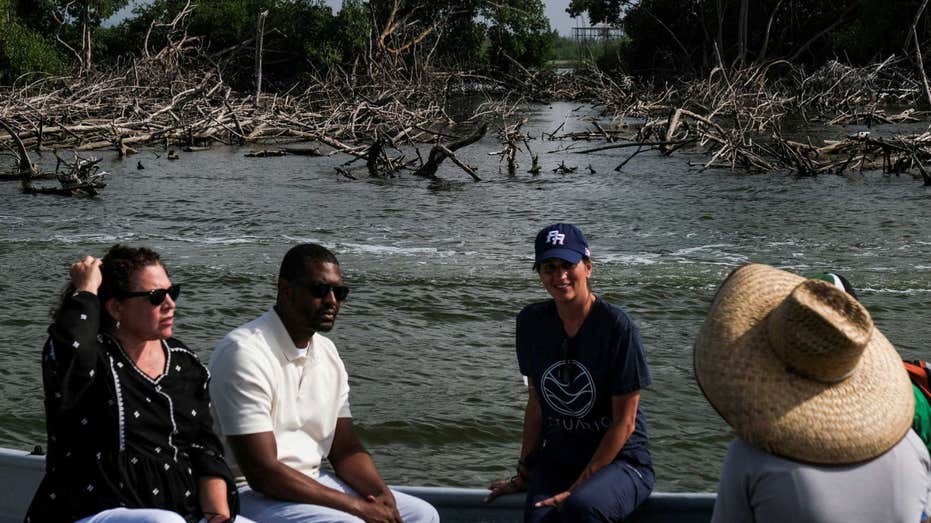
{"points": [[762, 488]]}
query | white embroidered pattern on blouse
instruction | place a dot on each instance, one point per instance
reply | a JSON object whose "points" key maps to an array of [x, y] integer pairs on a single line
{"points": [[119, 403]]}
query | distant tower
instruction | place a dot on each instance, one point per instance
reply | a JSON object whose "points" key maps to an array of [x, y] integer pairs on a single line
{"points": [[588, 37]]}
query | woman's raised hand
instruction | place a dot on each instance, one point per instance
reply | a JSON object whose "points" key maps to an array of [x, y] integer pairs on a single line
{"points": [[86, 275]]}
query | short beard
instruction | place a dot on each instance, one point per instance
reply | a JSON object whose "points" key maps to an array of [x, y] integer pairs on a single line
{"points": [[321, 326]]}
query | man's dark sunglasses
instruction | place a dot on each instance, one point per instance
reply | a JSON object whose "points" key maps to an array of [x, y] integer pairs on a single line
{"points": [[321, 290], [156, 296]]}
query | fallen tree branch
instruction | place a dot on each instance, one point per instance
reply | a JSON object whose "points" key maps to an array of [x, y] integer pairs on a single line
{"points": [[440, 153]]}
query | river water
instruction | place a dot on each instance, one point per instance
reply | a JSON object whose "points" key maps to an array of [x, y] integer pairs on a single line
{"points": [[438, 271]]}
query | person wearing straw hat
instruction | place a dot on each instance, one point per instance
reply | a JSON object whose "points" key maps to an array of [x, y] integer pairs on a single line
{"points": [[819, 402], [921, 422], [584, 454]]}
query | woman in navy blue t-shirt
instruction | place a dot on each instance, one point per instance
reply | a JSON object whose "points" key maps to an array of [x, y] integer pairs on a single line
{"points": [[584, 454]]}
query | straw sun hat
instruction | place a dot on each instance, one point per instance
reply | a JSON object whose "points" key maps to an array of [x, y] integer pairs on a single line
{"points": [[797, 369]]}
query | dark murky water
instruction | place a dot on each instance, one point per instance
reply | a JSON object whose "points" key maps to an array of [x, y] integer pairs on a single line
{"points": [[439, 269]]}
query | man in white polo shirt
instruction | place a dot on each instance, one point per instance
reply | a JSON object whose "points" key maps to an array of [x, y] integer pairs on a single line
{"points": [[281, 398]]}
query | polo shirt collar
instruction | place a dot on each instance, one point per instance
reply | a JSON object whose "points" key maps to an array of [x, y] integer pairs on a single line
{"points": [[283, 341]]}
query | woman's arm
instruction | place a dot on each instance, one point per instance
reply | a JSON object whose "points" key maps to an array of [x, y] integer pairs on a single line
{"points": [[624, 416], [533, 424], [212, 494], [533, 427], [70, 355], [624, 419], [216, 488]]}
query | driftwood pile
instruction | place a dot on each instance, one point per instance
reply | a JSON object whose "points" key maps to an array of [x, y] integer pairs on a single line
{"points": [[740, 117], [116, 112], [754, 118], [82, 177], [178, 97]]}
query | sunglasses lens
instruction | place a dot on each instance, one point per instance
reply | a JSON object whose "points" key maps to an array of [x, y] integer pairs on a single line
{"points": [[318, 290], [321, 290], [157, 296]]}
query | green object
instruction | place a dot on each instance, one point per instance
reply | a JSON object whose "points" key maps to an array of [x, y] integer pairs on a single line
{"points": [[922, 421]]}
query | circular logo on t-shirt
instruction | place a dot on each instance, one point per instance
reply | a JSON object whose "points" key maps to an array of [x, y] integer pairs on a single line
{"points": [[568, 388]]}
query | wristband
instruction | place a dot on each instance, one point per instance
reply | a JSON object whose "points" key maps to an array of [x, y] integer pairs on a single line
{"points": [[518, 482], [522, 470]]}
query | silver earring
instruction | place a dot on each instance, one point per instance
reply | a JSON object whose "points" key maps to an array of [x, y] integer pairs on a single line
{"points": [[117, 326]]}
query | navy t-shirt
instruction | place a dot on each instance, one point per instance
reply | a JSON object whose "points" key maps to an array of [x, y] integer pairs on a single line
{"points": [[575, 379]]}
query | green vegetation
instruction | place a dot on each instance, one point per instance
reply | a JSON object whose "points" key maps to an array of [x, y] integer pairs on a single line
{"points": [[599, 11], [518, 32], [675, 37], [23, 50], [303, 37], [606, 54], [71, 24], [663, 38]]}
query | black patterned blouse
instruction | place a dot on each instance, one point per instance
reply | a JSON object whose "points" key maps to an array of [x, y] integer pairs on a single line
{"points": [[116, 437]]}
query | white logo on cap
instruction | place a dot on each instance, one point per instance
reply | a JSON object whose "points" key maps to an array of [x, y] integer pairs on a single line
{"points": [[555, 237]]}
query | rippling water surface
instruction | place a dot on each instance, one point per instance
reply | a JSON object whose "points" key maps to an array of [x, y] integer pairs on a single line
{"points": [[439, 270]]}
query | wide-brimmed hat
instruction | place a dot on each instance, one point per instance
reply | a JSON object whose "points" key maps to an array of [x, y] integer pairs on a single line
{"points": [[797, 369]]}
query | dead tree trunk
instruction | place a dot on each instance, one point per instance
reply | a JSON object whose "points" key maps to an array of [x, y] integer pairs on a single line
{"points": [[719, 11], [26, 169], [87, 47], [742, 23], [259, 42], [769, 25], [921, 63], [441, 152]]}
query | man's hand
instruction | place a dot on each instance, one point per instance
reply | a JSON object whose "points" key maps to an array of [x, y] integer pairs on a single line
{"points": [[554, 501], [386, 498], [372, 510]]}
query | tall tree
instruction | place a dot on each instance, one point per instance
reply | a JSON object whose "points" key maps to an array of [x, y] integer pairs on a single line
{"points": [[454, 31], [598, 11], [669, 37], [519, 31], [73, 22]]}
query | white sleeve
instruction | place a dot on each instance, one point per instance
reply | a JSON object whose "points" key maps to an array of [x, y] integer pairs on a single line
{"points": [[241, 389], [343, 408]]}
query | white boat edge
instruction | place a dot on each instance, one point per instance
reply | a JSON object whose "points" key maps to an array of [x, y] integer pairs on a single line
{"points": [[21, 472]]}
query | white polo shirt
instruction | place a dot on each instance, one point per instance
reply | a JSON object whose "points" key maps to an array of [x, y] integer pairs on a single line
{"points": [[260, 382]]}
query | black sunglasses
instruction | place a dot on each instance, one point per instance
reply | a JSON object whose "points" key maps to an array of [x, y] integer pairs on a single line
{"points": [[156, 296], [322, 290]]}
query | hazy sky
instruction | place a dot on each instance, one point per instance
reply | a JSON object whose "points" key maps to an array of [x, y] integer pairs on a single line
{"points": [[559, 18], [555, 10]]}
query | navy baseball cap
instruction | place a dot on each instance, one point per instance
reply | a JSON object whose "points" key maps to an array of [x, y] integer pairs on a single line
{"points": [[560, 240]]}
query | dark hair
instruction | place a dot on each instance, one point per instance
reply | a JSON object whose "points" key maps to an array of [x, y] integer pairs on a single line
{"points": [[119, 264], [585, 259], [847, 286], [294, 264], [829, 277]]}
